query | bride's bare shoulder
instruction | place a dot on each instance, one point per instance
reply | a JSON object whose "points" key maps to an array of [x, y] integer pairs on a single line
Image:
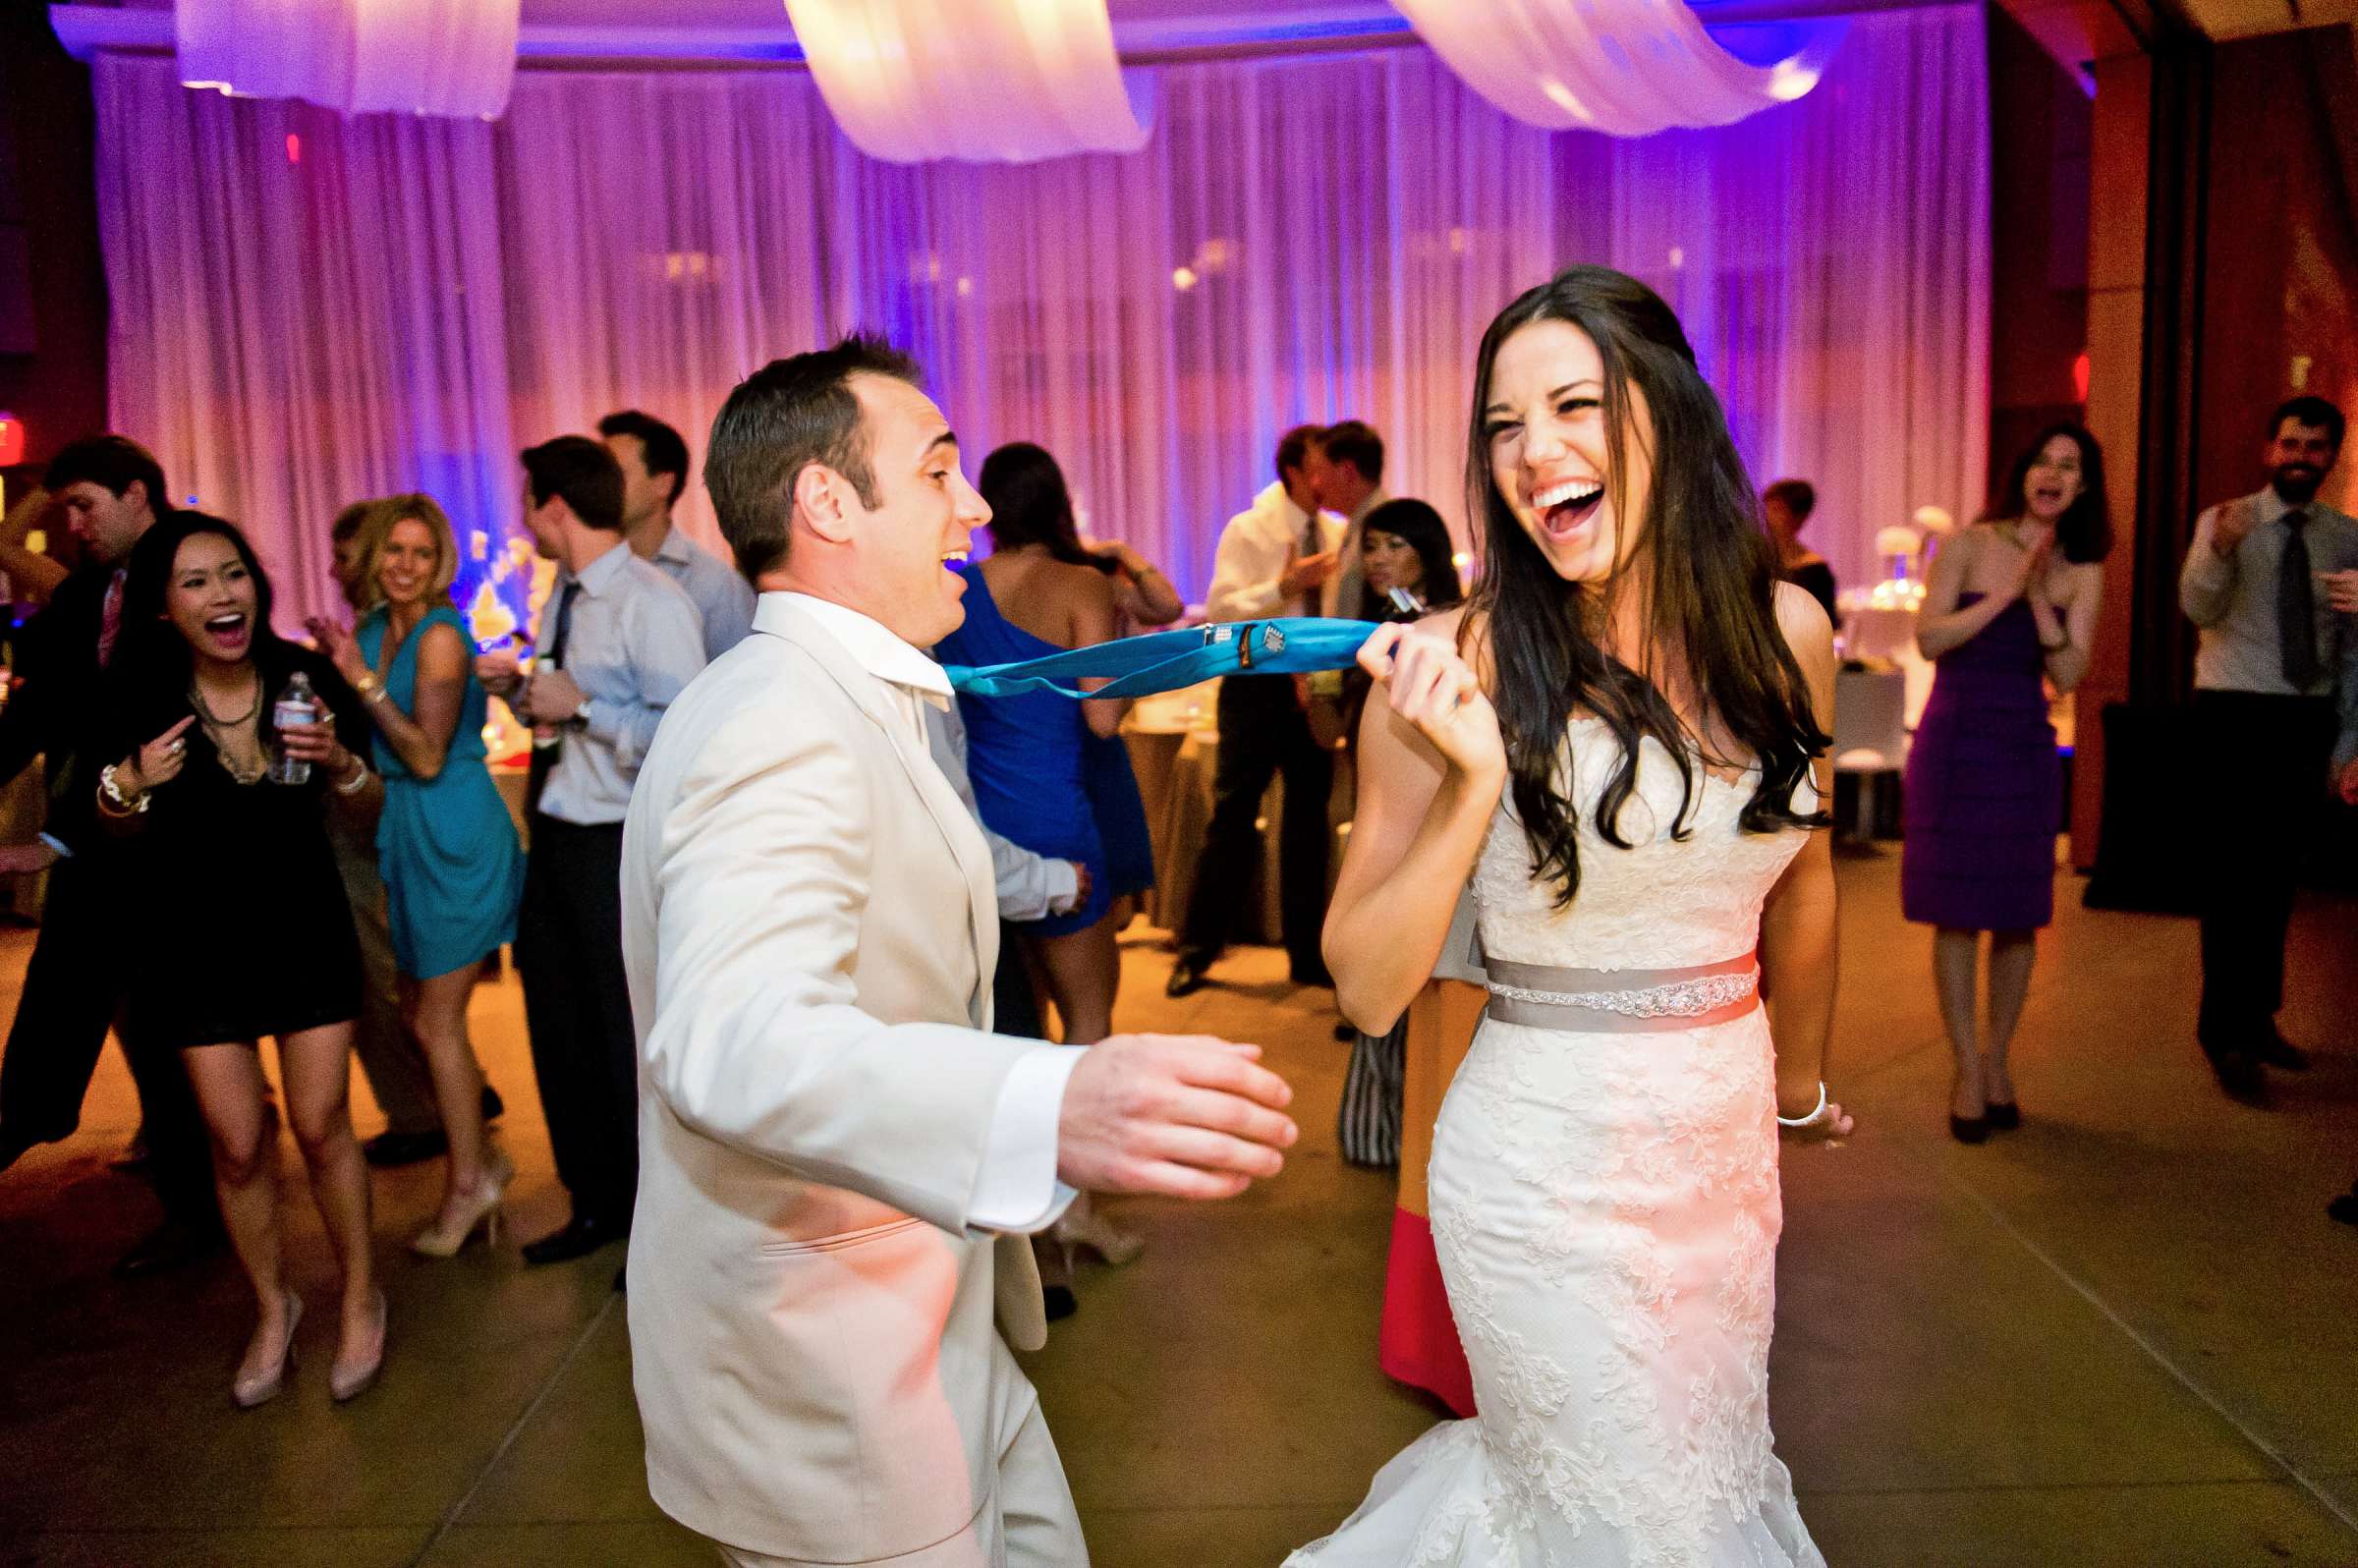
{"points": [[1469, 630]]}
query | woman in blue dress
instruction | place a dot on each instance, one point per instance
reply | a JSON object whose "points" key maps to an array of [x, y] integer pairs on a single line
{"points": [[1039, 592], [1035, 780], [453, 872]]}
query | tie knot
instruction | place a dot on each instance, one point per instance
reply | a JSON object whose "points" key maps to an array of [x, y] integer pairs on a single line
{"points": [[2296, 519]]}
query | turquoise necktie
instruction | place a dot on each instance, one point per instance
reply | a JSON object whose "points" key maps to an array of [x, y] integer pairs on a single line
{"points": [[1166, 661]]}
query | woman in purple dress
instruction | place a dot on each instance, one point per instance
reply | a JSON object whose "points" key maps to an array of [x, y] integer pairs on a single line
{"points": [[2010, 610]]}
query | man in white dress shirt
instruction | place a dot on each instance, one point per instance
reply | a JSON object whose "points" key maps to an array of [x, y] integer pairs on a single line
{"points": [[655, 471], [840, 1156], [2272, 581], [1281, 556]]}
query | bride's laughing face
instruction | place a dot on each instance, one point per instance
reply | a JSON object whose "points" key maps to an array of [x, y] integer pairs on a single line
{"points": [[1553, 453]]}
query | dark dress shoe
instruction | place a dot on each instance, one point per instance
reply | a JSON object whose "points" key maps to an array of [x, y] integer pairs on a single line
{"points": [[2240, 1077], [1312, 972], [389, 1149], [2345, 1209], [2003, 1116], [1188, 974], [174, 1244], [1059, 1303], [493, 1107], [1969, 1129], [583, 1235], [2276, 1051]]}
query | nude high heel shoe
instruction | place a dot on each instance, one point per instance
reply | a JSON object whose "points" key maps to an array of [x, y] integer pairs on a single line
{"points": [[250, 1390], [349, 1379], [451, 1231]]}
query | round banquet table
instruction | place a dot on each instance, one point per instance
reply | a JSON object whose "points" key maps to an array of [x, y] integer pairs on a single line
{"points": [[1175, 751]]}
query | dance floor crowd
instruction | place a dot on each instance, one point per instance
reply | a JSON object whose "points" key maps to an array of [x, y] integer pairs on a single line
{"points": [[1577, 965]]}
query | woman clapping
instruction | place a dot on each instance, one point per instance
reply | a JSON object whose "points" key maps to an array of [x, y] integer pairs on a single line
{"points": [[453, 872]]}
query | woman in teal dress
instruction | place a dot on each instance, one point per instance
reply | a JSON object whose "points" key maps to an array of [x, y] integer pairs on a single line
{"points": [[446, 844]]}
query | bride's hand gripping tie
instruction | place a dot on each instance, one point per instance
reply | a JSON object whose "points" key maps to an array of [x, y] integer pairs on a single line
{"points": [[1428, 683]]}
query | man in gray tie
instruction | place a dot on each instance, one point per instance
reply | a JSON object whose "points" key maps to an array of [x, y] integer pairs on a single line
{"points": [[1277, 557], [2272, 581], [1346, 471], [618, 642]]}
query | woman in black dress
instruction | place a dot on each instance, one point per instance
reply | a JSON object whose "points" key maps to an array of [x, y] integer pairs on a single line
{"points": [[1403, 544], [1785, 508], [235, 916]]}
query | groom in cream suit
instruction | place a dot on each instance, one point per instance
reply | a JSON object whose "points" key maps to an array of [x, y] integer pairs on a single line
{"points": [[839, 1158]]}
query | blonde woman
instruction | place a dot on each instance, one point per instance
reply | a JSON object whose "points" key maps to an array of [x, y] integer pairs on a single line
{"points": [[453, 872]]}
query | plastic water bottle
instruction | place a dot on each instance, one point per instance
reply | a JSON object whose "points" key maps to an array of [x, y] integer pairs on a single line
{"points": [[293, 711]]}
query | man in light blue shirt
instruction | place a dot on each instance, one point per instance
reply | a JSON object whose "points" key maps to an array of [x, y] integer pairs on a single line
{"points": [[655, 471], [618, 640]]}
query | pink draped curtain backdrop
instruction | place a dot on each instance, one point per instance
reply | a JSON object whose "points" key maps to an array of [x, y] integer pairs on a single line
{"points": [[308, 310]]}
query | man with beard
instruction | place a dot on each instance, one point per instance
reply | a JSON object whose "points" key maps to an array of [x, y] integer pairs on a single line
{"points": [[2272, 581]]}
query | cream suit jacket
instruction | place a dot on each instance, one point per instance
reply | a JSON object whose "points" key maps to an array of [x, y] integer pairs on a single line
{"points": [[810, 931]]}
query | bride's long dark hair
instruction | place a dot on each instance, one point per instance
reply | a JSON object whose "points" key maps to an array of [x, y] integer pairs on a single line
{"points": [[1713, 586]]}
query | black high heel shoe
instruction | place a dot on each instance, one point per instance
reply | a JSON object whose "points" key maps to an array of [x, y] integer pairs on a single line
{"points": [[1969, 1129], [2003, 1116]]}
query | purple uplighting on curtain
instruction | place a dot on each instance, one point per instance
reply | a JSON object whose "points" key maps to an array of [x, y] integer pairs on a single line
{"points": [[405, 303]]}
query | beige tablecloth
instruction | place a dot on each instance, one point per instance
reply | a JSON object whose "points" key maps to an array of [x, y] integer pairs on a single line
{"points": [[1176, 770]]}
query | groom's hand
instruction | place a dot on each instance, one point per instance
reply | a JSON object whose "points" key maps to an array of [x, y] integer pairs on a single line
{"points": [[1183, 1116]]}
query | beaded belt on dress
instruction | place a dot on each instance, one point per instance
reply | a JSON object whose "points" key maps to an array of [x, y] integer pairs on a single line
{"points": [[1624, 1001]]}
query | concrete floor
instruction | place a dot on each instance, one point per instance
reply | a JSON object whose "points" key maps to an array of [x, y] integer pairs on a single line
{"points": [[2125, 1335]]}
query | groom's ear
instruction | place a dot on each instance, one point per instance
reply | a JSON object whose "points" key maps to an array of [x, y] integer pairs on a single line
{"points": [[821, 503]]}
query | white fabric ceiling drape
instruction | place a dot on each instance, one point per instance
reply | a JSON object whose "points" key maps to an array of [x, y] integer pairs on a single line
{"points": [[1628, 68], [402, 303], [985, 81], [431, 56]]}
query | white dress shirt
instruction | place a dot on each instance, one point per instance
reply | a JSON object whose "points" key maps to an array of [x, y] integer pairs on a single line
{"points": [[1029, 886], [2232, 599], [1018, 1190], [1256, 547]]}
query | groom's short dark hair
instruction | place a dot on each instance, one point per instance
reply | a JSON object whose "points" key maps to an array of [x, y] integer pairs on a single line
{"points": [[785, 416]]}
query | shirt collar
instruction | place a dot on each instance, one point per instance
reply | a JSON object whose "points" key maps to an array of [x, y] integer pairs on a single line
{"points": [[1376, 498], [1284, 508], [599, 575], [675, 546], [878, 650]]}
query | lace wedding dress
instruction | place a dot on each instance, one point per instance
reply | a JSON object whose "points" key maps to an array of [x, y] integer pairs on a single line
{"points": [[1605, 1209]]}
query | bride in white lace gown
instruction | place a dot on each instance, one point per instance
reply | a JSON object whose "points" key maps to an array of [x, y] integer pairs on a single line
{"points": [[1624, 766]]}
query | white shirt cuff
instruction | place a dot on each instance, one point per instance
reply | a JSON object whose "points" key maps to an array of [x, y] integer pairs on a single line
{"points": [[1018, 1192], [1064, 886]]}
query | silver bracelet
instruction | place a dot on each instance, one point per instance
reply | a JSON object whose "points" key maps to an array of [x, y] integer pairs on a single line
{"points": [[360, 778], [1804, 1121], [125, 805]]}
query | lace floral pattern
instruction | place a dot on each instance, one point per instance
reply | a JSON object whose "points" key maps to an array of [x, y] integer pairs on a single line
{"points": [[1605, 1209]]}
